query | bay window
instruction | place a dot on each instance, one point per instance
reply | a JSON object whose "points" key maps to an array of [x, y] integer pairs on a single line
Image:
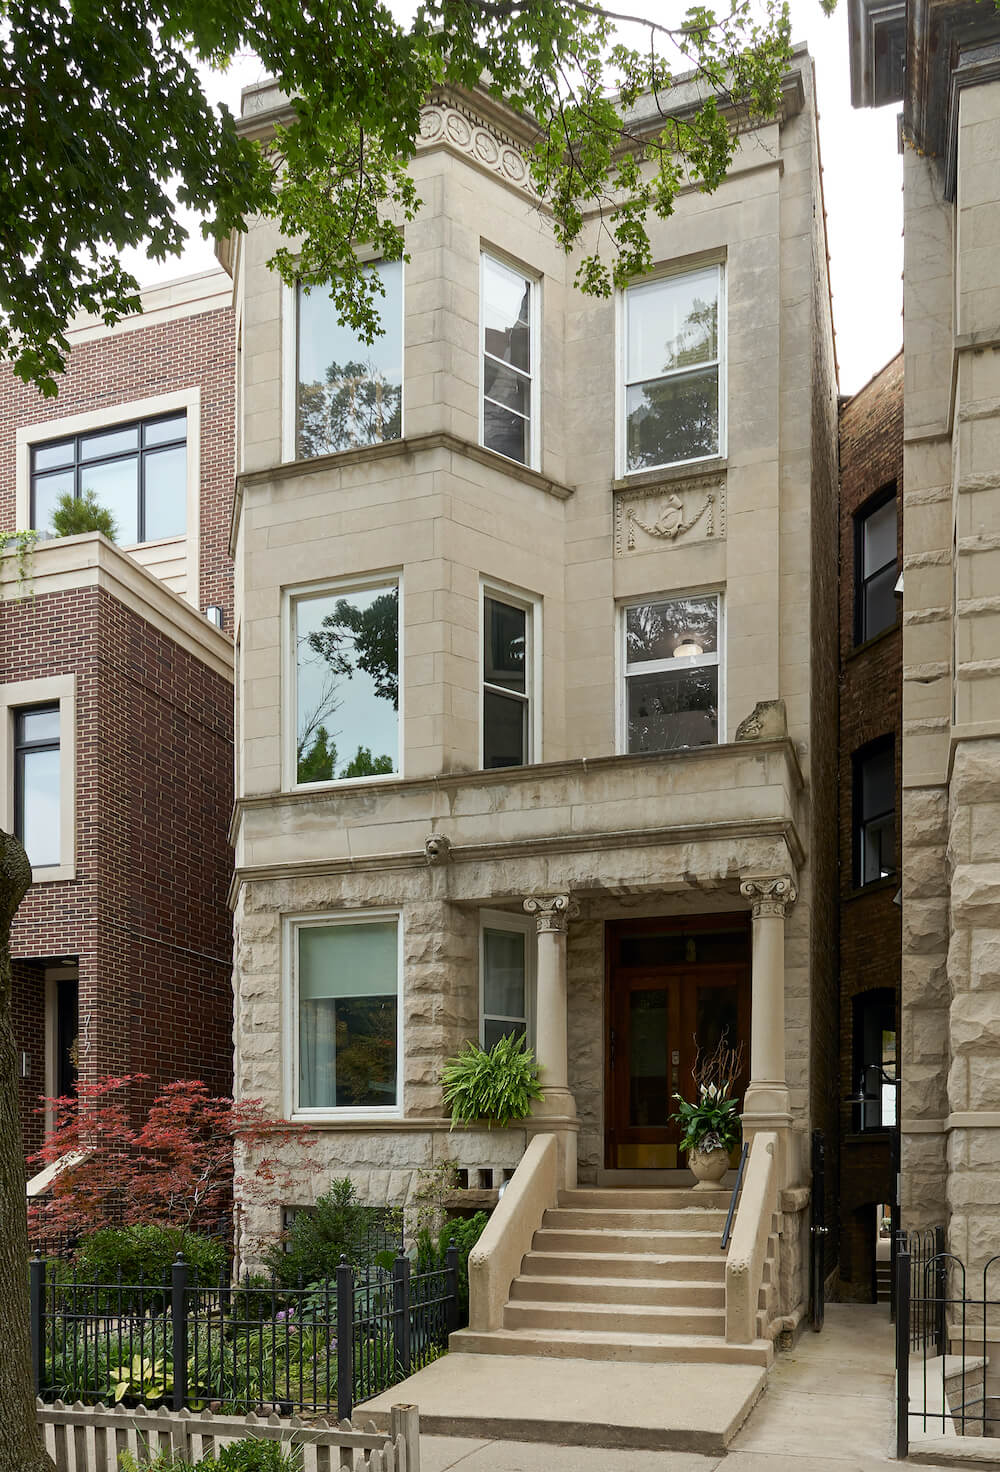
{"points": [[509, 350], [347, 1013], [508, 678], [674, 399], [671, 673]]}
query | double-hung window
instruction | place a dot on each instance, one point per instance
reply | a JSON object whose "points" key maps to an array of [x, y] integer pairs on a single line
{"points": [[671, 664], [348, 393], [876, 568], [136, 471], [509, 350], [345, 659], [37, 809], [674, 409], [506, 970], [346, 1013], [874, 812], [508, 680]]}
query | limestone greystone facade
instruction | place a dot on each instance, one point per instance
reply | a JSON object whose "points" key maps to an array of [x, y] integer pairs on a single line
{"points": [[587, 833], [950, 1110]]}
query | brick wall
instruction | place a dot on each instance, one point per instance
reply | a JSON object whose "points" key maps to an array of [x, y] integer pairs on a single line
{"points": [[141, 363], [871, 458], [147, 913]]}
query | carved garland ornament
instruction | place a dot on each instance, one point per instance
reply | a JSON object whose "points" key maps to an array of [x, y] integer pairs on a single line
{"points": [[440, 122], [551, 911], [667, 516], [769, 896]]}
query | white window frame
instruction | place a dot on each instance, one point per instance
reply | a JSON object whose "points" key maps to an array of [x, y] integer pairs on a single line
{"points": [[523, 925], [656, 666], [188, 400], [531, 603], [290, 596], [486, 252], [689, 268], [56, 690], [290, 365], [291, 926]]}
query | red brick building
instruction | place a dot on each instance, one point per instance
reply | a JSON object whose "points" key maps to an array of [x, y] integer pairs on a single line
{"points": [[116, 688], [871, 542]]}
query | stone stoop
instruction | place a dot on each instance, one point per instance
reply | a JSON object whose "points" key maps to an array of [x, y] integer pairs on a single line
{"points": [[625, 1274]]}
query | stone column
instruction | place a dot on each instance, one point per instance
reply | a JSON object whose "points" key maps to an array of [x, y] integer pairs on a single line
{"points": [[766, 1106], [557, 1109]]}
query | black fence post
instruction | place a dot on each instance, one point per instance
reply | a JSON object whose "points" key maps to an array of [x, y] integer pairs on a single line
{"points": [[179, 1328], [940, 1291], [902, 1353], [36, 1295], [401, 1312], [451, 1308], [345, 1340]]}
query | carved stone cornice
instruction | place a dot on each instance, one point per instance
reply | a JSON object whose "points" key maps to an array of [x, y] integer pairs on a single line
{"points": [[551, 911], [769, 896], [458, 127]]}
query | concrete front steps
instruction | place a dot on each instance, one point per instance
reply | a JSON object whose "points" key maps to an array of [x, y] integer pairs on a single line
{"points": [[622, 1275]]}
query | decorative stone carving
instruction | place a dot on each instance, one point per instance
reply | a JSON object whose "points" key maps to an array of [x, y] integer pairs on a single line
{"points": [[443, 122], [766, 722], [665, 515], [769, 896], [552, 911], [437, 848]]}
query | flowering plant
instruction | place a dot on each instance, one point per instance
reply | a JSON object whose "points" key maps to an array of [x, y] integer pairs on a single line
{"points": [[712, 1122]]}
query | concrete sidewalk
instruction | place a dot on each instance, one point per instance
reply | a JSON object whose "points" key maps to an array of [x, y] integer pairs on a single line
{"points": [[828, 1408]]}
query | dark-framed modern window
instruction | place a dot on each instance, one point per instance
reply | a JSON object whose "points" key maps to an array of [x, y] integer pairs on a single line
{"points": [[874, 812], [36, 783], [875, 1058], [876, 567], [137, 471]]}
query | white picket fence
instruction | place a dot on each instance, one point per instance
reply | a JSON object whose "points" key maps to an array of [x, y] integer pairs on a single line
{"points": [[83, 1438]]}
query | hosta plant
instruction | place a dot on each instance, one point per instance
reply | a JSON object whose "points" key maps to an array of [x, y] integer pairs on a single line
{"points": [[497, 1084]]}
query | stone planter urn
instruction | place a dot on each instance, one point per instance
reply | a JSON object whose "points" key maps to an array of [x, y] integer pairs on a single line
{"points": [[708, 1166]]}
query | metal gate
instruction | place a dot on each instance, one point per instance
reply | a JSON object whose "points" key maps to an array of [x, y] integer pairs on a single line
{"points": [[818, 1230]]}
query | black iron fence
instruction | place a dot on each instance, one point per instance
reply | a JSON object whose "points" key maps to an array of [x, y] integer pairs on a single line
{"points": [[947, 1325], [234, 1347]]}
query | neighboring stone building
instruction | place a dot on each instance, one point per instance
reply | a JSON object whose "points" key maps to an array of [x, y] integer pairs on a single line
{"points": [[537, 673], [950, 1059], [116, 736], [871, 533]]}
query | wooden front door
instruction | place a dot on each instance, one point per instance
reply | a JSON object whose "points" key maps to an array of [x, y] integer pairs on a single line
{"points": [[674, 989]]}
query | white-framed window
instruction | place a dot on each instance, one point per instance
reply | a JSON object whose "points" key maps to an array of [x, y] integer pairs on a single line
{"points": [[38, 758], [506, 977], [673, 397], [511, 670], [672, 668], [345, 1018], [346, 393], [142, 460], [509, 338], [344, 715]]}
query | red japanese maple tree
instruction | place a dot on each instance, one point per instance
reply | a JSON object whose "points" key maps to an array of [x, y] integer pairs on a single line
{"points": [[175, 1169]]}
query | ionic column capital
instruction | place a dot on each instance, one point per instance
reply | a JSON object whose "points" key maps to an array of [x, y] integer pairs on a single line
{"points": [[769, 895], [551, 911]]}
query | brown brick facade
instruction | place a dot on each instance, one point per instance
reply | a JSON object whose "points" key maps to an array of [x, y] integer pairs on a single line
{"points": [[142, 362], [146, 914], [871, 459]]}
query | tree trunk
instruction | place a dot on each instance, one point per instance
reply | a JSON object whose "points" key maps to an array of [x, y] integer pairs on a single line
{"points": [[21, 1448]]}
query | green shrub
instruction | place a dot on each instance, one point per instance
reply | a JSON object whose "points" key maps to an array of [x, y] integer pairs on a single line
{"points": [[77, 514], [251, 1455], [432, 1251], [339, 1225], [147, 1252], [498, 1085]]}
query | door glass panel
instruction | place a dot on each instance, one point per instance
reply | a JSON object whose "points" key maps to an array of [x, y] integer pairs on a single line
{"points": [[648, 1058], [717, 1018]]}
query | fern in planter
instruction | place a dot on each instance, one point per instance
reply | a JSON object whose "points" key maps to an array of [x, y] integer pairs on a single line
{"points": [[497, 1085], [74, 515]]}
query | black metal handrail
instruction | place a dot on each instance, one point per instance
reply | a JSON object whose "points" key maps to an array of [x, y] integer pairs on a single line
{"points": [[727, 1229]]}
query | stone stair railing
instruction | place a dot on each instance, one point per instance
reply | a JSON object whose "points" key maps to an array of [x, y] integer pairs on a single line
{"points": [[495, 1261], [748, 1247]]}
